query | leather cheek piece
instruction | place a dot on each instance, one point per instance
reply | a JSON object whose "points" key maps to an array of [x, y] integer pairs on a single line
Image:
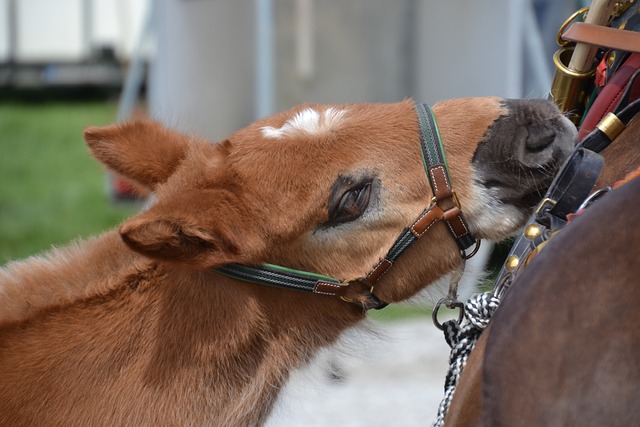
{"points": [[441, 187], [457, 225], [378, 271]]}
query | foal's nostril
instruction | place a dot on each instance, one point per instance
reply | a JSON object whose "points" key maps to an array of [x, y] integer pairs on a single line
{"points": [[539, 140]]}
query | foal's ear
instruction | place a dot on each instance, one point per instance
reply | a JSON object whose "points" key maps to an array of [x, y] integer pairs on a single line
{"points": [[143, 151], [188, 231]]}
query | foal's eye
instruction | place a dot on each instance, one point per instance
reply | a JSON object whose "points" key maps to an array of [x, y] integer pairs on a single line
{"points": [[351, 205]]}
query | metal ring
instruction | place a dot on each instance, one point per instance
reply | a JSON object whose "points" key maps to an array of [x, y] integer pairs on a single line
{"points": [[503, 285], [547, 201], [475, 250], [449, 304], [562, 42], [593, 197]]}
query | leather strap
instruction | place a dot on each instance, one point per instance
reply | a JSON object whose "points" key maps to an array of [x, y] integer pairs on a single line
{"points": [[612, 94], [569, 189], [282, 277], [572, 184], [435, 164], [598, 35]]}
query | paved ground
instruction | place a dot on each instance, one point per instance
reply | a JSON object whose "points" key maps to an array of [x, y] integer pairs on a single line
{"points": [[391, 377]]}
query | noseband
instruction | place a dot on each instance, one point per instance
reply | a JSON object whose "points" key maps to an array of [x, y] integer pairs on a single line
{"points": [[444, 207]]}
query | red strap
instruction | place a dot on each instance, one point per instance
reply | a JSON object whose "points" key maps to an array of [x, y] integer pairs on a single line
{"points": [[609, 97]]}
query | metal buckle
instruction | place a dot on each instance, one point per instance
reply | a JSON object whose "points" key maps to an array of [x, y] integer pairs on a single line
{"points": [[377, 303], [475, 250], [449, 304], [503, 285], [455, 199], [546, 201], [562, 42], [454, 196], [593, 197]]}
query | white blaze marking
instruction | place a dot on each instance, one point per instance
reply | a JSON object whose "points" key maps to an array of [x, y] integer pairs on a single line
{"points": [[307, 121]]}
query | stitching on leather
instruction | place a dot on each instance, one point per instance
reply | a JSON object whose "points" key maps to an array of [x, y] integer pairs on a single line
{"points": [[425, 230], [433, 178], [614, 101], [384, 272], [325, 284], [466, 230]]}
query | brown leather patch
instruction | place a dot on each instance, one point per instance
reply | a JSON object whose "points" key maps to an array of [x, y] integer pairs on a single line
{"points": [[326, 288], [425, 222], [440, 182], [449, 214], [455, 222], [378, 271]]}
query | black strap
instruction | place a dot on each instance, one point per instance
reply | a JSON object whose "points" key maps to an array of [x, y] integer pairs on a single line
{"points": [[278, 276], [571, 186], [569, 189]]}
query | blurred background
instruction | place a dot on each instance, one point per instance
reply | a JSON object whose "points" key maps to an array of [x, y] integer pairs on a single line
{"points": [[210, 67]]}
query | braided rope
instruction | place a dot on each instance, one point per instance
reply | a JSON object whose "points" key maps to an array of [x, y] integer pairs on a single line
{"points": [[462, 338]]}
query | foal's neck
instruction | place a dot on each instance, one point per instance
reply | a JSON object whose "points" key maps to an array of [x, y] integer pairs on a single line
{"points": [[62, 275]]}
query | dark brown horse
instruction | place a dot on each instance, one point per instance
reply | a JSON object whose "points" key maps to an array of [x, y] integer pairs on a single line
{"points": [[564, 347]]}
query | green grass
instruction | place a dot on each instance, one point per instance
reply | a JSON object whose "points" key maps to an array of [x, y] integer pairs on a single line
{"points": [[401, 311], [51, 189]]}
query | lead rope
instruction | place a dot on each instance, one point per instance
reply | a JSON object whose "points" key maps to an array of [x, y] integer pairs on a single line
{"points": [[462, 337]]}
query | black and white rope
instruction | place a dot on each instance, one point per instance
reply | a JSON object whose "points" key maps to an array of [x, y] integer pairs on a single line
{"points": [[462, 337]]}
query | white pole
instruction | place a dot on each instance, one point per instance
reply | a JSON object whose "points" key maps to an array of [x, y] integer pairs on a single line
{"points": [[265, 81], [135, 72], [304, 39], [535, 51], [514, 49]]}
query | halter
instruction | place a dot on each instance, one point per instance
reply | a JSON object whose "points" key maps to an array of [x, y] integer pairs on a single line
{"points": [[444, 207]]}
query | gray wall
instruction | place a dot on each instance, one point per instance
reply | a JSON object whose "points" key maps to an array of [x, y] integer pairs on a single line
{"points": [[203, 74]]}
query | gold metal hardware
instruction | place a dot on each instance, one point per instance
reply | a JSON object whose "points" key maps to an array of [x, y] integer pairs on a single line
{"points": [[611, 126], [621, 7], [535, 252], [562, 42], [512, 262], [570, 89], [351, 300], [546, 201], [434, 201], [532, 231], [455, 199], [611, 57]]}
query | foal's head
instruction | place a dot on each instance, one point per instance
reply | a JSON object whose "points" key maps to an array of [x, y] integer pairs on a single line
{"points": [[328, 188]]}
